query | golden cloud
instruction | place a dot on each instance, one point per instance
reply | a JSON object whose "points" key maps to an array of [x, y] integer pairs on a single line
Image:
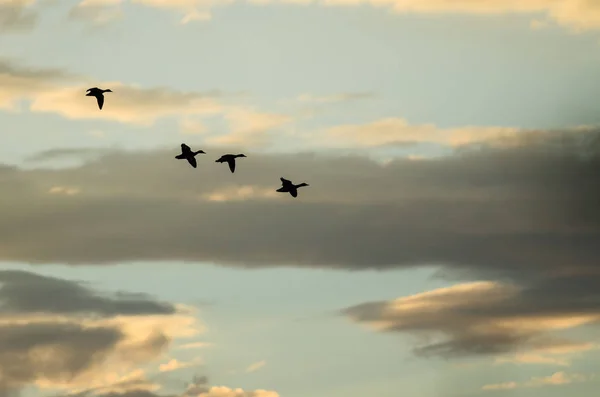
{"points": [[556, 379], [573, 14]]}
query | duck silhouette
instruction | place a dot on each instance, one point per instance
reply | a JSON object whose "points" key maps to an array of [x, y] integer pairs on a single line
{"points": [[99, 94], [289, 187], [230, 159], [186, 153]]}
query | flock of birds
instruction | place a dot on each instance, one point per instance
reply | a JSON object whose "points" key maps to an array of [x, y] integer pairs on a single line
{"points": [[188, 154]]}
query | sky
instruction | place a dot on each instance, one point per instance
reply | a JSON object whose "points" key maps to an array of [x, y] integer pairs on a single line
{"points": [[446, 246]]}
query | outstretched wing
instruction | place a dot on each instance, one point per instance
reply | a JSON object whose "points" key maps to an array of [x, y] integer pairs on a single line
{"points": [[285, 182], [185, 148], [100, 99], [294, 192], [231, 163], [192, 161]]}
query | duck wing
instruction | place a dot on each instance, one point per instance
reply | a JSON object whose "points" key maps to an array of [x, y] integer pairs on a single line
{"points": [[231, 163], [294, 192], [100, 99], [285, 182], [192, 161]]}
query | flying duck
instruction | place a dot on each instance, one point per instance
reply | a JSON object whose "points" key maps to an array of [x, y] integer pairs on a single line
{"points": [[99, 94], [186, 153], [289, 187], [230, 159]]}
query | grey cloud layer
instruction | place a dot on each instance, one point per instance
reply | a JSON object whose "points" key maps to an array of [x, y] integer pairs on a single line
{"points": [[519, 208]]}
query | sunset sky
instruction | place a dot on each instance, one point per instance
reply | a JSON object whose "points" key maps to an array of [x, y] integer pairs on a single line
{"points": [[448, 243]]}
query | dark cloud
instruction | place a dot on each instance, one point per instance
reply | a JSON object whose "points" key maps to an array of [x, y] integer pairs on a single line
{"points": [[50, 350], [23, 292], [489, 318], [56, 330], [512, 209], [54, 154]]}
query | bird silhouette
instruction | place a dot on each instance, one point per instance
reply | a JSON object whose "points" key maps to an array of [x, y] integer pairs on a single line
{"points": [[289, 187], [230, 159], [99, 94], [186, 153]]}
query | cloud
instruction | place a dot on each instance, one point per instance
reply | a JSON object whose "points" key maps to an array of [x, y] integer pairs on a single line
{"points": [[195, 345], [61, 335], [16, 16], [482, 318], [60, 92], [500, 386], [343, 97], [250, 128], [126, 104], [20, 82], [97, 12], [550, 355], [24, 292], [69, 191], [192, 10], [398, 131], [199, 387], [174, 364], [572, 14], [65, 153], [523, 216], [256, 366], [556, 379], [241, 193]]}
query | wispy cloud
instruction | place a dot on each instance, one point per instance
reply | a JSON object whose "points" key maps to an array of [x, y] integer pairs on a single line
{"points": [[573, 14], [97, 12], [556, 379], [174, 364], [398, 131], [195, 345], [549, 355], [60, 92], [335, 98], [256, 366], [250, 128]]}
